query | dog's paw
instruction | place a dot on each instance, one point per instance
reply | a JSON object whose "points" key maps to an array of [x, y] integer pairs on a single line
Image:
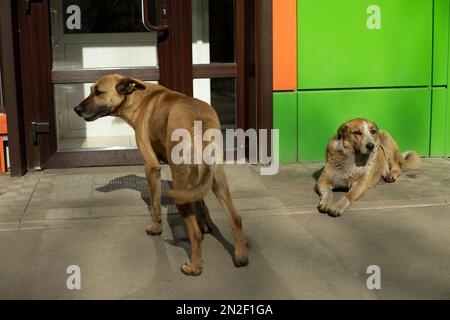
{"points": [[155, 229], [335, 213], [190, 270], [324, 206], [390, 179], [340, 207], [240, 259]]}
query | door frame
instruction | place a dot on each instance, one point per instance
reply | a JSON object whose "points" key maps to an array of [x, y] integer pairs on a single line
{"points": [[12, 87], [253, 70]]}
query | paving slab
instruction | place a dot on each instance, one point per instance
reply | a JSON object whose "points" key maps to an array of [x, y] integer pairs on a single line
{"points": [[95, 218]]}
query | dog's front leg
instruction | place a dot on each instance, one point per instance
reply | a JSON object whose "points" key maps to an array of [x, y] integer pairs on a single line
{"points": [[153, 174], [356, 191], [154, 182], [325, 191]]}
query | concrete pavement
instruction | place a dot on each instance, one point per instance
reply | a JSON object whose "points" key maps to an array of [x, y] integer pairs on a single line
{"points": [[95, 218]]}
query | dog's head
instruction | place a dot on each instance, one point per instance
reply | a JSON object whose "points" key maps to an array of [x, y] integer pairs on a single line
{"points": [[107, 95], [361, 135]]}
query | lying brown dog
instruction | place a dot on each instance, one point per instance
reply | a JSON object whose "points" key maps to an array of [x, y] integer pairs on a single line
{"points": [[155, 113], [358, 157]]}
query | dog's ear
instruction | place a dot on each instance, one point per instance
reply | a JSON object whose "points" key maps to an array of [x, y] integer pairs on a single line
{"points": [[376, 127], [342, 132], [128, 86]]}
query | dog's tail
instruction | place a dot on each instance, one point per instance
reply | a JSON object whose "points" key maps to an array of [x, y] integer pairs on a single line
{"points": [[411, 161], [198, 192]]}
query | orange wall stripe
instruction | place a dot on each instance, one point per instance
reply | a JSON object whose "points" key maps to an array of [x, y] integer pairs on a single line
{"points": [[3, 125], [285, 44], [3, 131]]}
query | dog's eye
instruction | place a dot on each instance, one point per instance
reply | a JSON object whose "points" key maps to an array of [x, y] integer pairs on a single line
{"points": [[98, 93], [357, 133], [374, 131]]}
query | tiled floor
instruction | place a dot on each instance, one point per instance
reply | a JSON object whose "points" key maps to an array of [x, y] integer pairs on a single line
{"points": [[95, 218]]}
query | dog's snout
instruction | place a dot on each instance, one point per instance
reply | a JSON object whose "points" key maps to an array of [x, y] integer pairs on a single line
{"points": [[370, 146], [78, 110]]}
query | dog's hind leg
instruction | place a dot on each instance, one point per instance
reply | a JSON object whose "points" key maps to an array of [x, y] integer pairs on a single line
{"points": [[394, 168], [203, 218], [222, 193], [393, 157], [181, 175], [195, 267], [395, 171]]}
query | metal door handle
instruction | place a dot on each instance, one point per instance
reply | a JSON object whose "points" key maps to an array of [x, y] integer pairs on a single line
{"points": [[55, 34], [28, 4], [146, 19]]}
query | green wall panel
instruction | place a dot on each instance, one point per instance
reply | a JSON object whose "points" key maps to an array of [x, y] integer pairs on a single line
{"points": [[285, 119], [337, 49], [447, 148], [441, 33], [438, 123], [405, 113]]}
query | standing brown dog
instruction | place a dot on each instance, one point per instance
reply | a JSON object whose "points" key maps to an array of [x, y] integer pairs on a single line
{"points": [[358, 157], [155, 113]]}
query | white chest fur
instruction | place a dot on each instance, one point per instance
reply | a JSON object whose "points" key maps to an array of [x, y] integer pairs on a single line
{"points": [[352, 168]]}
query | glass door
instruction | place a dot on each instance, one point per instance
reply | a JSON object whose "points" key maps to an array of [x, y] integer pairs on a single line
{"points": [[191, 46], [91, 36], [214, 50]]}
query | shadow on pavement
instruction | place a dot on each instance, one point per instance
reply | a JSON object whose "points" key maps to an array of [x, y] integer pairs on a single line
{"points": [[174, 220], [317, 174]]}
